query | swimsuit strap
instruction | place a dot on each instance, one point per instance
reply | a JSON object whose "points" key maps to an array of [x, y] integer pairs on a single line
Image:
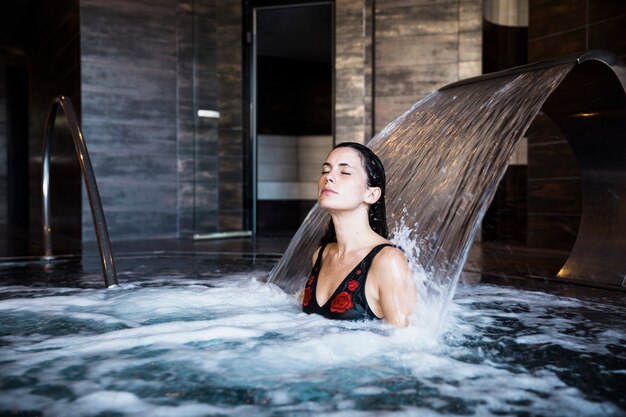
{"points": [[318, 261], [367, 261], [371, 254]]}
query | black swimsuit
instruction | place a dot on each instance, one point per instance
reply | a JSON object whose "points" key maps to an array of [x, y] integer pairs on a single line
{"points": [[348, 302]]}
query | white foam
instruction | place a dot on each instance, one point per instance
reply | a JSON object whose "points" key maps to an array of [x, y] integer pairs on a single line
{"points": [[246, 334]]}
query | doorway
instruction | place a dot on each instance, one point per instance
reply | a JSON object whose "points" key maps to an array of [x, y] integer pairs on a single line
{"points": [[291, 120]]}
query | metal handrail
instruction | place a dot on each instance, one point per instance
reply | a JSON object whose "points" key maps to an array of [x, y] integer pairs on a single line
{"points": [[97, 214]]}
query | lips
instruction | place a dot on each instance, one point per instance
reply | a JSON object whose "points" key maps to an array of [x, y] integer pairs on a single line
{"points": [[327, 190]]}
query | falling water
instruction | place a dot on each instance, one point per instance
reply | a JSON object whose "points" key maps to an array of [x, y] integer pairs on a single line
{"points": [[444, 158]]}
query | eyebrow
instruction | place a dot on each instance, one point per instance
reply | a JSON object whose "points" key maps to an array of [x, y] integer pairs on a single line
{"points": [[343, 164]]}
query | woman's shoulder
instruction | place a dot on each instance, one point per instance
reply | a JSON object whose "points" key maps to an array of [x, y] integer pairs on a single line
{"points": [[390, 253], [391, 261]]}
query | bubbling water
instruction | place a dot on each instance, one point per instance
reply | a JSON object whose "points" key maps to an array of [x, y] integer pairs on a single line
{"points": [[234, 345]]}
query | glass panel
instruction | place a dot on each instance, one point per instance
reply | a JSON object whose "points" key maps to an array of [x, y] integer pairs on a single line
{"points": [[294, 71]]}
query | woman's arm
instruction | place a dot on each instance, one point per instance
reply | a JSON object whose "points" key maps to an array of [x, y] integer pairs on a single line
{"points": [[396, 288]]}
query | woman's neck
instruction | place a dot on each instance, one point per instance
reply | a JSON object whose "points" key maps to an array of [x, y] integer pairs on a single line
{"points": [[353, 231]]}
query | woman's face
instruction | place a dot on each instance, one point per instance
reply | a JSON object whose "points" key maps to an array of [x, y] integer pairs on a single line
{"points": [[343, 183]]}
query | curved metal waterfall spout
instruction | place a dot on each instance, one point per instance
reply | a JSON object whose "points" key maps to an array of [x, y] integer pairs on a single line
{"points": [[445, 156], [102, 234], [589, 106]]}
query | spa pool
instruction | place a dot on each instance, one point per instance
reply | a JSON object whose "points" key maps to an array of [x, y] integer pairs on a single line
{"points": [[203, 335]]}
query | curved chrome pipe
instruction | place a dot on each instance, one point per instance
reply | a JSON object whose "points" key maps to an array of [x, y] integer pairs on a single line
{"points": [[589, 107], [97, 214]]}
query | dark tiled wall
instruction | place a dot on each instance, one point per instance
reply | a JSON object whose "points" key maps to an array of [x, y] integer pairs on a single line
{"points": [[3, 149], [129, 81], [39, 59], [148, 67], [54, 69], [561, 27], [554, 195], [558, 28]]}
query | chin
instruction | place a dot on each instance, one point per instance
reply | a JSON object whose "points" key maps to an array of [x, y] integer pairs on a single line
{"points": [[326, 205]]}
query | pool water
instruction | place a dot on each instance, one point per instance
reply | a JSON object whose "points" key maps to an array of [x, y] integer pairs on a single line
{"points": [[206, 336]]}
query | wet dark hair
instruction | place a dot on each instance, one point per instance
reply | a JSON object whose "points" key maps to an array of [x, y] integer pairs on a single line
{"points": [[375, 178]]}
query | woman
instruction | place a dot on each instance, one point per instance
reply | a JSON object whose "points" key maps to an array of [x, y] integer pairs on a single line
{"points": [[357, 273]]}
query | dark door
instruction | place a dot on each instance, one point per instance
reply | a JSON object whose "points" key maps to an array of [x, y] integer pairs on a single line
{"points": [[292, 108]]}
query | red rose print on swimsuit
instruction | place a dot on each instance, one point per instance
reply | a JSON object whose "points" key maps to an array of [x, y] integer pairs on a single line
{"points": [[310, 281], [341, 303], [353, 285], [307, 296], [359, 272]]}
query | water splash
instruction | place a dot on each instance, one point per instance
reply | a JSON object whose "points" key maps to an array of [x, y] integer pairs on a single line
{"points": [[232, 345], [444, 158]]}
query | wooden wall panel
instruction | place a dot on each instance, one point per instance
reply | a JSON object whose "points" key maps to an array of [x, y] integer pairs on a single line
{"points": [[560, 44], [549, 17], [352, 67], [558, 28], [600, 10], [419, 47], [609, 32]]}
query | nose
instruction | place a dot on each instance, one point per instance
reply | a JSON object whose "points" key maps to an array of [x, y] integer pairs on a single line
{"points": [[329, 176]]}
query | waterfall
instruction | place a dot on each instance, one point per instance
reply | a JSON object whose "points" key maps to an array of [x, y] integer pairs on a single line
{"points": [[444, 158]]}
